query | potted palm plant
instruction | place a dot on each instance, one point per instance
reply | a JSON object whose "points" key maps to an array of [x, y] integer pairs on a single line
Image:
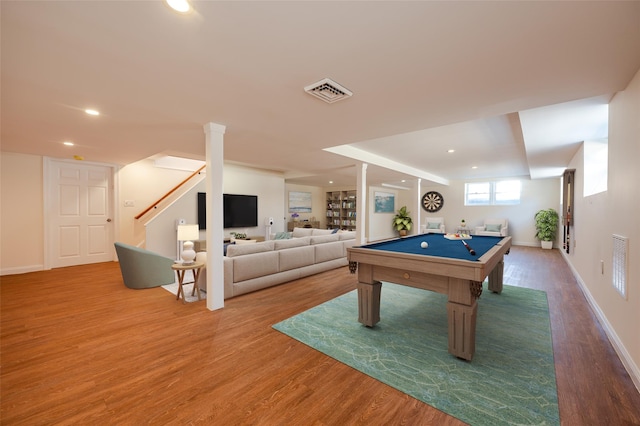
{"points": [[402, 221], [546, 227]]}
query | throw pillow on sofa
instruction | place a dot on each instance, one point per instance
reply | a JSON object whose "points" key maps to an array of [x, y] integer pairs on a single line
{"points": [[493, 227]]}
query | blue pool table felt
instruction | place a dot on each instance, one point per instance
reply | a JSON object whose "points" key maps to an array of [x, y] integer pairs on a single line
{"points": [[438, 246]]}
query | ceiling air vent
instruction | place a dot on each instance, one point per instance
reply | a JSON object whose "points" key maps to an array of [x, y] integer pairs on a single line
{"points": [[328, 90]]}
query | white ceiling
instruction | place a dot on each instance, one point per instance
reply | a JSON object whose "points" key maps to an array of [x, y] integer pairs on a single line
{"points": [[483, 78]]}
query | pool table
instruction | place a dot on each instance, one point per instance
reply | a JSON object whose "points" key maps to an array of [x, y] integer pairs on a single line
{"points": [[445, 266]]}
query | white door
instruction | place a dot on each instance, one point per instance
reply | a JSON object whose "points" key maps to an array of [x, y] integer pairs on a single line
{"points": [[80, 214]]}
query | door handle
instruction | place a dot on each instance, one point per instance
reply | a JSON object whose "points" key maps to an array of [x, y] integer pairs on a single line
{"points": [[109, 220]]}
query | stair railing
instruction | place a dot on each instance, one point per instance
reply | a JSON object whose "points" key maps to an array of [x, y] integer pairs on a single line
{"points": [[174, 189]]}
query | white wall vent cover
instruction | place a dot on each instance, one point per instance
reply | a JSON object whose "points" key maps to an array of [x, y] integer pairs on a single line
{"points": [[620, 264], [328, 90]]}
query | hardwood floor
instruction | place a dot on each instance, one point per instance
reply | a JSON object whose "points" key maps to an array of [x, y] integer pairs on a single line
{"points": [[78, 347]]}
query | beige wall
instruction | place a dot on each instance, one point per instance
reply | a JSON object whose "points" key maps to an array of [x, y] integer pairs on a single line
{"points": [[615, 211], [318, 205], [21, 213], [379, 226], [142, 183], [536, 195], [22, 217], [268, 186]]}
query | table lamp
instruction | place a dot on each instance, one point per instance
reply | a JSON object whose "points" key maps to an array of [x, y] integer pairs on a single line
{"points": [[187, 233]]}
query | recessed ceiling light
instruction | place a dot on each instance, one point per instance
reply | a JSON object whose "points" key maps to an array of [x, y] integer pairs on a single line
{"points": [[330, 181], [181, 6], [67, 143], [403, 180], [451, 150], [91, 112], [474, 167]]}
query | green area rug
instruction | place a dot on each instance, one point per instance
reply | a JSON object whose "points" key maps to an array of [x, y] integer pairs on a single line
{"points": [[511, 380]]}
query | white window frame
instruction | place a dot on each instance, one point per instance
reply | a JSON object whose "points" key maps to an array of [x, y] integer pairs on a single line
{"points": [[493, 194], [480, 196]]}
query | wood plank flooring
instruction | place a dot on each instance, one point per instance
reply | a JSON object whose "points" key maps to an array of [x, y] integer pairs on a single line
{"points": [[78, 347]]}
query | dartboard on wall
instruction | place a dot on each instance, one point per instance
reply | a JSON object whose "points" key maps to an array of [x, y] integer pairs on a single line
{"points": [[432, 201]]}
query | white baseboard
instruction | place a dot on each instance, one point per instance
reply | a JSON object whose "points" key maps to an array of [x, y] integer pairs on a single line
{"points": [[21, 269], [621, 350], [525, 243]]}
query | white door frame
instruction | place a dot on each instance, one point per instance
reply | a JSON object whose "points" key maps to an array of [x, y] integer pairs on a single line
{"points": [[47, 202]]}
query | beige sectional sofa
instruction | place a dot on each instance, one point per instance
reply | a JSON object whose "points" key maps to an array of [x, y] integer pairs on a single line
{"points": [[251, 267]]}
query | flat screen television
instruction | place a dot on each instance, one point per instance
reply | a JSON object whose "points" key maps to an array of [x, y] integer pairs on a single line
{"points": [[240, 211]]}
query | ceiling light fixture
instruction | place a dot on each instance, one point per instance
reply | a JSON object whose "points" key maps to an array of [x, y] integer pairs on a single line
{"points": [[181, 6], [91, 112], [474, 167], [67, 143], [451, 151]]}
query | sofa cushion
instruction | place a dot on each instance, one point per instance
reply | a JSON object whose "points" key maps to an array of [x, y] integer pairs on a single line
{"points": [[322, 232], [329, 251], [346, 244], [254, 265], [294, 242], [347, 235], [296, 257], [242, 249], [302, 232], [322, 239]]}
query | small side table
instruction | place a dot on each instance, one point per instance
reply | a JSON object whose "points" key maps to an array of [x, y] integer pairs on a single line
{"points": [[180, 270], [463, 230]]}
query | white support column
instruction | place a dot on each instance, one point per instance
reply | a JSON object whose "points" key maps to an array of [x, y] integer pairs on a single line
{"points": [[361, 208], [417, 215], [215, 231]]}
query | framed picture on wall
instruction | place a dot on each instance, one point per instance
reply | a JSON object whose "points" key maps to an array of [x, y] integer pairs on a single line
{"points": [[384, 202], [299, 202]]}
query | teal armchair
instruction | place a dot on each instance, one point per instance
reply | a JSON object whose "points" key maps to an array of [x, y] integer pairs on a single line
{"points": [[142, 268]]}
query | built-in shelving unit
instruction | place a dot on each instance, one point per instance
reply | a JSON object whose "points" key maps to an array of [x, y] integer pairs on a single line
{"points": [[341, 210]]}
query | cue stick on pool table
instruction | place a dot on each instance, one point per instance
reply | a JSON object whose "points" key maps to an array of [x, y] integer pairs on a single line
{"points": [[472, 251]]}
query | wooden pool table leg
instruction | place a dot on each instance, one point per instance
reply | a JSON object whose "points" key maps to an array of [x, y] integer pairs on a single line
{"points": [[462, 329], [495, 277], [369, 303], [462, 309]]}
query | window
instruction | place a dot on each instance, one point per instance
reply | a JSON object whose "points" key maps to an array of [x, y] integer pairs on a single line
{"points": [[507, 192], [596, 157], [477, 194], [492, 193]]}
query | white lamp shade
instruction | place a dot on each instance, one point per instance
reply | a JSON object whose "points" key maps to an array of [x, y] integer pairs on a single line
{"points": [[188, 232]]}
